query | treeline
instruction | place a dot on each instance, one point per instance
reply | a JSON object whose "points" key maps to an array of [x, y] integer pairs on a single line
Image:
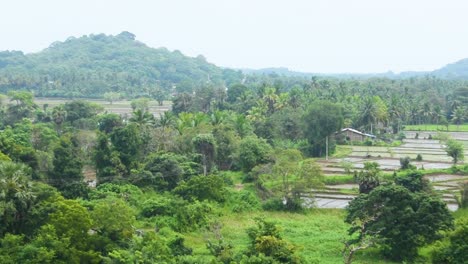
{"points": [[376, 106]]}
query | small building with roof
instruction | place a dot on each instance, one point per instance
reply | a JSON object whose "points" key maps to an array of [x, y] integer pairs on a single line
{"points": [[351, 134]]}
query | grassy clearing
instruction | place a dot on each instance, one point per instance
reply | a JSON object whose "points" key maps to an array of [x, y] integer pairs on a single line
{"points": [[431, 127], [338, 179], [318, 234]]}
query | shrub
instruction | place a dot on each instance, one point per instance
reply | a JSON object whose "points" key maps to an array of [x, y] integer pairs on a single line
{"points": [[457, 249], [419, 157], [368, 142], [413, 181], [401, 136], [273, 204], [178, 248], [202, 188], [290, 204], [266, 240], [253, 151], [244, 201], [195, 215], [463, 202], [128, 192], [405, 164], [157, 206], [222, 250]]}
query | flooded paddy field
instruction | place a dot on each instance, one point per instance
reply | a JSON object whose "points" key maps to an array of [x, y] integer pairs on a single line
{"points": [[121, 107], [433, 156]]}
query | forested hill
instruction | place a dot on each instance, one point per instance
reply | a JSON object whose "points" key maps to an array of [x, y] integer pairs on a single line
{"points": [[458, 70], [92, 65]]}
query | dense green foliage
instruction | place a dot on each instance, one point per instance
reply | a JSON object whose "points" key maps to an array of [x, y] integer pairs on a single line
{"points": [[98, 65], [79, 185], [398, 217]]}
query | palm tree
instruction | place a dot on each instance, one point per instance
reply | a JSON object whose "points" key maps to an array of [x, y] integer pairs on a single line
{"points": [[241, 125], [16, 196], [185, 120], [199, 118], [426, 112], [166, 120], [142, 118], [58, 116], [282, 102], [373, 111], [257, 113], [217, 117], [270, 97], [459, 116]]}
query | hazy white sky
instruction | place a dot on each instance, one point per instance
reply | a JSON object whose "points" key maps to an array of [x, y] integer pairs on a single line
{"points": [[305, 35]]}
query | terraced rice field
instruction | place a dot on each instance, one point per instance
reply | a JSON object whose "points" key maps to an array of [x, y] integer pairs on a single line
{"points": [[122, 107], [432, 151]]}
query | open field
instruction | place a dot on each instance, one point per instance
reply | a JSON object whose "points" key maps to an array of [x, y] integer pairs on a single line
{"points": [[318, 233], [121, 107], [431, 127]]}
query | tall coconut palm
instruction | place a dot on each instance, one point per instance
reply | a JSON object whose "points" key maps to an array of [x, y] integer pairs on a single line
{"points": [[270, 97], [459, 115], [426, 112], [58, 116]]}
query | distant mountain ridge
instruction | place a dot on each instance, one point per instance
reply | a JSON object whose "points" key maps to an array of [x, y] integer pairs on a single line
{"points": [[92, 65], [456, 70]]}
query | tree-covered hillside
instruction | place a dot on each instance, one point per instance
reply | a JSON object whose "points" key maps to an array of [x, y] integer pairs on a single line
{"points": [[92, 65], [457, 70]]}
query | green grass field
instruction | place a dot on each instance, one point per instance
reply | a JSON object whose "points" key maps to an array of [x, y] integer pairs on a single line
{"points": [[431, 127], [318, 234]]}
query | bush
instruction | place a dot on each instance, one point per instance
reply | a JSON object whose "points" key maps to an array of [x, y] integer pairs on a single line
{"points": [[178, 248], [457, 249], [253, 151], [222, 250], [413, 181], [202, 188], [279, 204], [227, 177], [419, 157], [405, 164], [129, 192], [244, 201], [368, 142], [401, 136], [266, 241], [463, 201], [273, 204], [195, 215], [157, 206]]}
